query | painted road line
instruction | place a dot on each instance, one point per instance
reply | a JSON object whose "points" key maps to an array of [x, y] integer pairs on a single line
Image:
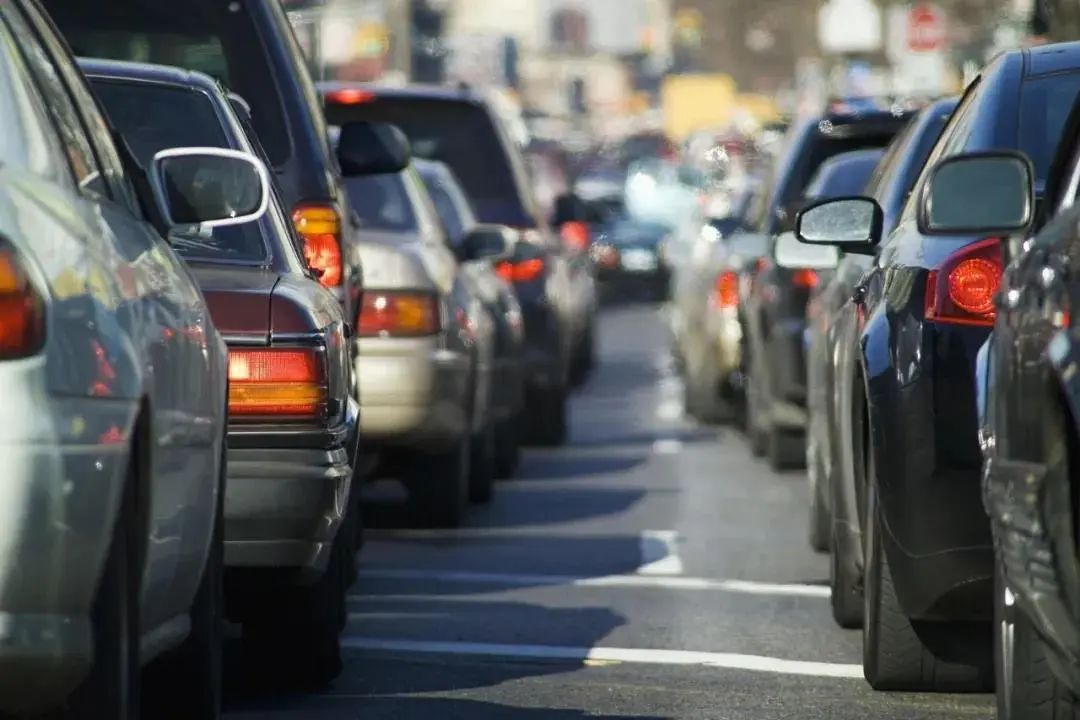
{"points": [[659, 553], [667, 446], [743, 587], [669, 410], [733, 661]]}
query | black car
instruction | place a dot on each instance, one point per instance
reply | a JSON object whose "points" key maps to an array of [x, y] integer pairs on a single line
{"points": [[289, 483], [628, 255], [462, 129], [248, 45], [774, 306], [924, 310], [832, 323]]}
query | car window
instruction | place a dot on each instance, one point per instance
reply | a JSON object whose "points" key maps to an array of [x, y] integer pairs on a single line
{"points": [[381, 202], [28, 141], [446, 207], [154, 117], [842, 176], [1045, 103], [894, 155], [220, 39], [84, 164]]}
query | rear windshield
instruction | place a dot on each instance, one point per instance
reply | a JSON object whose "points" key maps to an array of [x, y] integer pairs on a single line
{"points": [[821, 148], [152, 118], [381, 202], [843, 176], [1044, 108], [218, 38], [460, 134]]}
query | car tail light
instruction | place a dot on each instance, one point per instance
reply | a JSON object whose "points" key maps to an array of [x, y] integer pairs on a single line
{"points": [[398, 314], [22, 309], [961, 291], [350, 96], [805, 278], [726, 290], [277, 383], [319, 227], [520, 271]]}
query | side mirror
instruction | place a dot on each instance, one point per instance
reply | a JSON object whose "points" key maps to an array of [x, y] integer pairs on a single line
{"points": [[209, 187], [851, 224], [988, 193], [789, 252], [488, 242], [575, 236], [372, 148]]}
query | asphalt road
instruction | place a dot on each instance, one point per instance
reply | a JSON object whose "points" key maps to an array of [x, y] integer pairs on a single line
{"points": [[650, 569]]}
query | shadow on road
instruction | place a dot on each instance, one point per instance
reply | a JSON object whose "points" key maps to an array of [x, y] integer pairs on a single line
{"points": [[562, 467]]}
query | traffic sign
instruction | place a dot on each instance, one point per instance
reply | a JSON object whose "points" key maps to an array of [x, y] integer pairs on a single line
{"points": [[925, 28]]}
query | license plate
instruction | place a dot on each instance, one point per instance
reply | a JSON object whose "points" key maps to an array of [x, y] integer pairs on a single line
{"points": [[639, 260]]}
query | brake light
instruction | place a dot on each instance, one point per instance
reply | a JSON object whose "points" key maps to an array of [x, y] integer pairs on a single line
{"points": [[961, 291], [277, 383], [22, 309], [350, 96], [398, 314], [805, 278], [726, 290], [319, 227], [522, 271]]}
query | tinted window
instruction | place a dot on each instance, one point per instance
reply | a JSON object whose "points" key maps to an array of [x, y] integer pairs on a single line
{"points": [[821, 148], [460, 134], [155, 117], [843, 176], [445, 206], [381, 202], [1044, 107], [217, 38]]}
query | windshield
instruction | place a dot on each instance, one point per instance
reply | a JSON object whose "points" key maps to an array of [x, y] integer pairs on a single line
{"points": [[154, 117], [382, 202]]}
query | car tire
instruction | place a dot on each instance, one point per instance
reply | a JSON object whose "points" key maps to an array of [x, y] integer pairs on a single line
{"points": [[757, 437], [820, 525], [902, 654], [507, 446], [187, 684], [112, 687], [547, 417], [482, 465], [1025, 685], [438, 484], [846, 592], [786, 449], [295, 639], [584, 359]]}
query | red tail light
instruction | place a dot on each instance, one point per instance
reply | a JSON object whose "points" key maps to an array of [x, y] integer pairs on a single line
{"points": [[398, 314], [961, 291], [805, 278], [726, 290], [319, 227], [22, 310], [522, 271], [350, 96], [277, 383]]}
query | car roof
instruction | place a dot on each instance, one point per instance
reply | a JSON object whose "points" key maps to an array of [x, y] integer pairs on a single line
{"points": [[148, 72]]}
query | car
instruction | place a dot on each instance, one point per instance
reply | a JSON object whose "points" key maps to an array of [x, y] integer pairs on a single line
{"points": [[1029, 430], [290, 511], [832, 321], [925, 309], [460, 127], [508, 378], [774, 302], [628, 256], [115, 380], [427, 346], [249, 45]]}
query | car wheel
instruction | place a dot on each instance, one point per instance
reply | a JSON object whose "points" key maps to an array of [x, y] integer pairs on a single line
{"points": [[438, 484], [584, 358], [758, 438], [507, 446], [482, 465], [186, 684], [112, 687], [295, 639], [820, 519], [846, 592], [902, 654], [786, 449], [547, 417]]}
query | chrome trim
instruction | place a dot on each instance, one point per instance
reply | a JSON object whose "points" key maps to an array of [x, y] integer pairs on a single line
{"points": [[246, 340], [315, 337]]}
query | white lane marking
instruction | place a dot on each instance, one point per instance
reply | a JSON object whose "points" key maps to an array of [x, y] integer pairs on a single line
{"points": [[669, 410], [670, 386], [659, 555], [667, 447], [744, 587], [734, 661]]}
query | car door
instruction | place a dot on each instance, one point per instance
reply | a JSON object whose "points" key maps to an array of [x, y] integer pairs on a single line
{"points": [[160, 310]]}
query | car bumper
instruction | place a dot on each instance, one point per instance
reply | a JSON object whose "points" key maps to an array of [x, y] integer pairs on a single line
{"points": [[63, 480], [286, 495], [412, 391]]}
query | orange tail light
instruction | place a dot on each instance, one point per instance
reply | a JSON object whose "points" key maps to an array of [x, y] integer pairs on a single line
{"points": [[319, 227], [805, 278], [350, 96], [398, 314], [22, 309], [522, 271], [277, 383], [726, 290]]}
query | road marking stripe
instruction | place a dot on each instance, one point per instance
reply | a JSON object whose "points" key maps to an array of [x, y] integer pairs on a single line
{"points": [[743, 587], [669, 410], [733, 661], [666, 446], [659, 554]]}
